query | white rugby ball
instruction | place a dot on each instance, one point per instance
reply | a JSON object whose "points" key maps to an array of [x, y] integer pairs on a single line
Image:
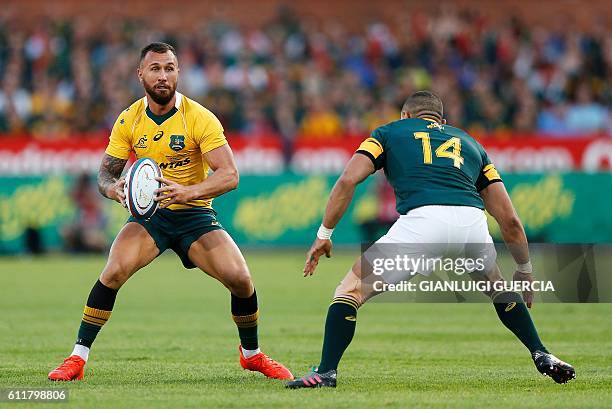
{"points": [[140, 185]]}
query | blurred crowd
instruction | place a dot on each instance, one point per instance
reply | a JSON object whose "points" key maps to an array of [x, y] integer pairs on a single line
{"points": [[300, 77]]}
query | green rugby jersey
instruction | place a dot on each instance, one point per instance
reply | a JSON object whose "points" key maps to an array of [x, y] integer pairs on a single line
{"points": [[427, 163]]}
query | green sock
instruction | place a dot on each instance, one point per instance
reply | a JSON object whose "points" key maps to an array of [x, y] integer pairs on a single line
{"points": [[245, 314], [97, 311], [513, 313], [339, 330]]}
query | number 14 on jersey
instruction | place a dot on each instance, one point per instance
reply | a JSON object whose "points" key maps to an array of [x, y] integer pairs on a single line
{"points": [[450, 149]]}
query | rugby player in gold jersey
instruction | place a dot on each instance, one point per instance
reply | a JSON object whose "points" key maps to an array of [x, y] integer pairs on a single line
{"points": [[187, 141]]}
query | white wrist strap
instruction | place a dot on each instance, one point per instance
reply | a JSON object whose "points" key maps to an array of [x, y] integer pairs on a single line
{"points": [[324, 233], [525, 268]]}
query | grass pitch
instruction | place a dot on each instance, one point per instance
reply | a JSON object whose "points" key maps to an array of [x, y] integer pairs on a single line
{"points": [[171, 342]]}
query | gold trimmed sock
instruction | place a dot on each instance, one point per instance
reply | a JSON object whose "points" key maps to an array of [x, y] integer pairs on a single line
{"points": [[339, 331], [96, 313], [245, 314]]}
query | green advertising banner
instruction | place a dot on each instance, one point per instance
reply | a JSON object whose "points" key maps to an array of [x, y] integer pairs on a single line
{"points": [[286, 209]]}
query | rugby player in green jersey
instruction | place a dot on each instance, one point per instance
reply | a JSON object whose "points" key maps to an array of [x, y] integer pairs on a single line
{"points": [[443, 180]]}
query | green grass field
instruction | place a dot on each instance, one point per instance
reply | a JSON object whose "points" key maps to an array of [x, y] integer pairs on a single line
{"points": [[171, 342]]}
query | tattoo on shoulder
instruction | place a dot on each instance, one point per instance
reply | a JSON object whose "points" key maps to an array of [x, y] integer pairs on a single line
{"points": [[110, 171]]}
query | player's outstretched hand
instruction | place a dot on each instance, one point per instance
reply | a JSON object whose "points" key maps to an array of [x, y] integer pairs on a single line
{"points": [[115, 191], [318, 248], [172, 193], [528, 294]]}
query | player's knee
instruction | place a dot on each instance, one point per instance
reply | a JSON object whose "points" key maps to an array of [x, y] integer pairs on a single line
{"points": [[355, 295], [350, 288], [115, 274], [240, 283]]}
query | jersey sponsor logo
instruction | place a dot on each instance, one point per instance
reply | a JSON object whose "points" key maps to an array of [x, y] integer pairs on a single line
{"points": [[177, 142], [158, 136], [510, 306], [178, 157], [142, 143], [174, 165]]}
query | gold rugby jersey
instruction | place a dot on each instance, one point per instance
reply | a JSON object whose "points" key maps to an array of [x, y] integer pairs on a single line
{"points": [[176, 140]]}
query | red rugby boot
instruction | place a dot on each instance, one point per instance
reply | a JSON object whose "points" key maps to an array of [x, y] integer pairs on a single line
{"points": [[264, 364], [71, 370]]}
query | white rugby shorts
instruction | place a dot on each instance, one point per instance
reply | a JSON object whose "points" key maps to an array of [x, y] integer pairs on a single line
{"points": [[439, 232]]}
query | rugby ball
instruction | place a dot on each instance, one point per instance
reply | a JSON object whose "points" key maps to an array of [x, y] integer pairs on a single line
{"points": [[139, 189]]}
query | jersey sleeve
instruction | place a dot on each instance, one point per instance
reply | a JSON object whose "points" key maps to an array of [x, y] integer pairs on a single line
{"points": [[208, 132], [373, 148], [488, 173], [119, 144]]}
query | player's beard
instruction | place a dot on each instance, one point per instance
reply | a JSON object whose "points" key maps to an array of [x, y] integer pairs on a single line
{"points": [[161, 98]]}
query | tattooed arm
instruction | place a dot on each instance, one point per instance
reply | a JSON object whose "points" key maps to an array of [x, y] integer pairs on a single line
{"points": [[110, 182]]}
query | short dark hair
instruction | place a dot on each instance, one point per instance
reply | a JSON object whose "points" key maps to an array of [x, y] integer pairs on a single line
{"points": [[424, 103], [159, 48]]}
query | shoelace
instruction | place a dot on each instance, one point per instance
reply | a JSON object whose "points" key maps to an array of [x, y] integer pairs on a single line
{"points": [[67, 363], [271, 361]]}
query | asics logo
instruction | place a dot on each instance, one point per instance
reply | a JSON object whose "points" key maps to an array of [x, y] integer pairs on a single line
{"points": [[510, 306], [158, 136], [350, 318]]}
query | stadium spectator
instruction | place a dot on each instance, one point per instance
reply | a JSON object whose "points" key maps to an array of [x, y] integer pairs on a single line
{"points": [[323, 78], [585, 113], [384, 215], [320, 121], [86, 232]]}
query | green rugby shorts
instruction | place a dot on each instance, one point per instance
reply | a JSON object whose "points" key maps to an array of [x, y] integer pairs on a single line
{"points": [[178, 229]]}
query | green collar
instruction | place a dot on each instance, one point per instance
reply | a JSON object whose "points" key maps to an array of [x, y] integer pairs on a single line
{"points": [[159, 119]]}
